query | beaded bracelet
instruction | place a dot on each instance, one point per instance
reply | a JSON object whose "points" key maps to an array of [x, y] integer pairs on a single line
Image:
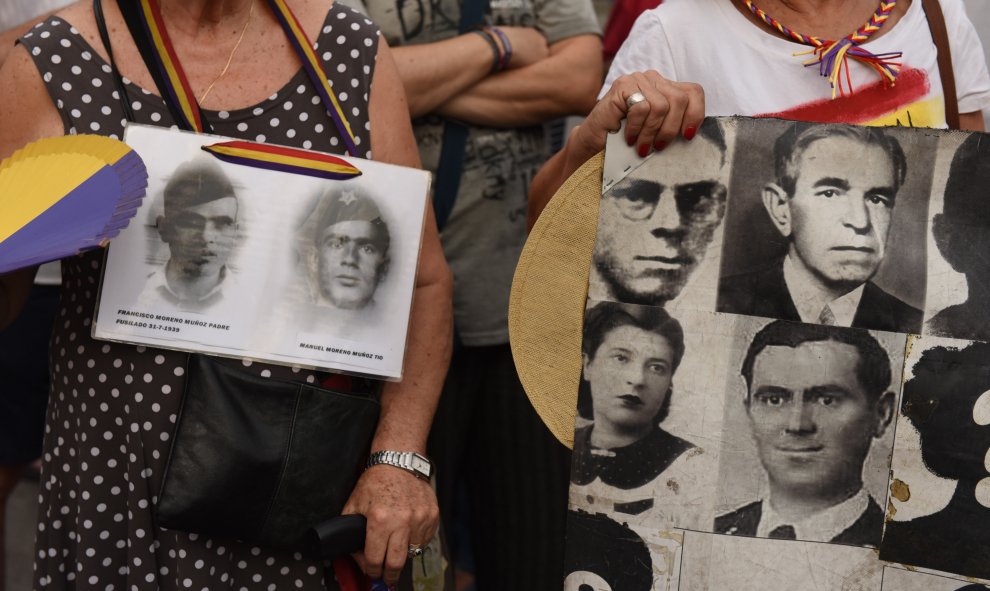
{"points": [[506, 46], [496, 58]]}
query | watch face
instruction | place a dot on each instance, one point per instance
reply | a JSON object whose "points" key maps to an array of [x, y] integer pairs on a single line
{"points": [[420, 465]]}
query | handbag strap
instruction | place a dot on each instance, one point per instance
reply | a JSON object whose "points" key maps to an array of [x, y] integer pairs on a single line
{"points": [[118, 80], [455, 134], [936, 22]]}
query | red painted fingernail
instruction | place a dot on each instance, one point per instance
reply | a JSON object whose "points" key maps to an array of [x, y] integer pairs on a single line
{"points": [[659, 145], [631, 140], [644, 149], [689, 133]]}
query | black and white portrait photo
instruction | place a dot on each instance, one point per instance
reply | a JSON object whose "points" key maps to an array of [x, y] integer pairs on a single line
{"points": [[946, 402], [658, 224], [643, 449], [346, 248], [812, 231], [347, 270], [198, 224], [816, 402], [961, 232], [244, 261]]}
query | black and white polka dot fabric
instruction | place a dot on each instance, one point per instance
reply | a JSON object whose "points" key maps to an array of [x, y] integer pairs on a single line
{"points": [[113, 406]]}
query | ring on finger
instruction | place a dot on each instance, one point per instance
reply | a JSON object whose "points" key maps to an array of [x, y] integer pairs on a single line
{"points": [[634, 99], [415, 550]]}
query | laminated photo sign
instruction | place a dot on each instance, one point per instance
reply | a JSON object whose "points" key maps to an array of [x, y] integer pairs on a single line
{"points": [[785, 368], [286, 256]]}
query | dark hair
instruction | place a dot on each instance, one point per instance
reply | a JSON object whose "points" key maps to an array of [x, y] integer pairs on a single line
{"points": [[939, 400], [712, 131], [605, 317], [965, 217], [194, 183], [791, 144], [872, 369]]}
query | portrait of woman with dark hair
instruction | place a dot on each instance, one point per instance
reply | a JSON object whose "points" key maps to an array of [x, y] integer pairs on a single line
{"points": [[625, 464], [947, 402]]}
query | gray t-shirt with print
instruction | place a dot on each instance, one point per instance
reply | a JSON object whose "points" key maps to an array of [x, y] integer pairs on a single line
{"points": [[487, 228]]}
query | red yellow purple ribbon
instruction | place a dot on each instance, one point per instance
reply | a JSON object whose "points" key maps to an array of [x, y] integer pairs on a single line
{"points": [[178, 87], [311, 64], [832, 56], [284, 159], [180, 92]]}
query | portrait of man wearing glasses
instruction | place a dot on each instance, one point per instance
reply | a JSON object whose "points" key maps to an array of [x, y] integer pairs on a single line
{"points": [[656, 224]]}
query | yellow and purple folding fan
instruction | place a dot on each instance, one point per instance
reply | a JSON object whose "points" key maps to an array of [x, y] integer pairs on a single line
{"points": [[60, 196]]}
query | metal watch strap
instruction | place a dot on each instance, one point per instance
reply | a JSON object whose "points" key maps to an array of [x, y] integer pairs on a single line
{"points": [[410, 461]]}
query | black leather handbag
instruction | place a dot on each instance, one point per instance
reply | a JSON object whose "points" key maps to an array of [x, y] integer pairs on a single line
{"points": [[261, 460]]}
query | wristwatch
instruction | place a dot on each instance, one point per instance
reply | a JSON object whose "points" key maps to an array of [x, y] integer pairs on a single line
{"points": [[410, 461]]}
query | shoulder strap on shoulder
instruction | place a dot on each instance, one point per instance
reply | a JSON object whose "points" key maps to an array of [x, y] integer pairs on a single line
{"points": [[131, 11], [936, 22], [118, 80]]}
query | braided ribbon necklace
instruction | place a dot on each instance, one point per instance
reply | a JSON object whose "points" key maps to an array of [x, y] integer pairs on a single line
{"points": [[832, 56]]}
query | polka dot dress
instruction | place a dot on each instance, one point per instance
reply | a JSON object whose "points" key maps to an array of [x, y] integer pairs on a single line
{"points": [[113, 406]]}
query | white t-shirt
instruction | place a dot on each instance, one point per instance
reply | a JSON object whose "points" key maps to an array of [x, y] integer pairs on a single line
{"points": [[745, 70]]}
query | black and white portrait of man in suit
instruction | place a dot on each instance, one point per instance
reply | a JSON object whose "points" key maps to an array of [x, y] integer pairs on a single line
{"points": [[817, 398], [832, 202]]}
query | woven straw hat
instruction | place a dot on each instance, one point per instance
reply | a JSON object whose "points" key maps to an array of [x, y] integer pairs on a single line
{"points": [[549, 291]]}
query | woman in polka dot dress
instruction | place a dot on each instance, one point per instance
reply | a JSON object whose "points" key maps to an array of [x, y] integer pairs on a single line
{"points": [[113, 406]]}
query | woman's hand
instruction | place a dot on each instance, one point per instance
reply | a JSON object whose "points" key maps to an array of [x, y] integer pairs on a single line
{"points": [[669, 109], [401, 510]]}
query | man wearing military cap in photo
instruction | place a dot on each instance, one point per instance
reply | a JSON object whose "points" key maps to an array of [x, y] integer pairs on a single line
{"points": [[199, 225], [352, 249]]}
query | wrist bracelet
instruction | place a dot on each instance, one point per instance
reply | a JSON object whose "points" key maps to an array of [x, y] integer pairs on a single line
{"points": [[496, 57], [417, 464], [506, 46]]}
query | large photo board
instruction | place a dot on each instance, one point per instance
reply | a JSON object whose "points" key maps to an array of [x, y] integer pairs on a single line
{"points": [[259, 264], [786, 383]]}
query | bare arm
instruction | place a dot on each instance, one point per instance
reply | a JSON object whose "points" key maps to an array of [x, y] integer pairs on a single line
{"points": [[9, 37], [972, 121], [401, 509], [433, 73], [565, 83], [26, 114]]}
